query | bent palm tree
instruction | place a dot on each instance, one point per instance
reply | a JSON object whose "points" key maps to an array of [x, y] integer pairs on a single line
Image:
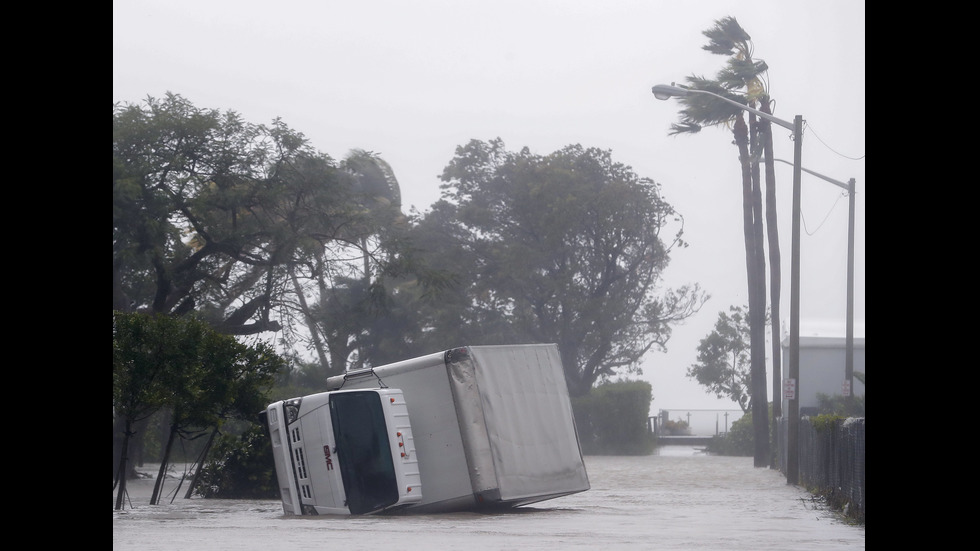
{"points": [[334, 316], [743, 73]]}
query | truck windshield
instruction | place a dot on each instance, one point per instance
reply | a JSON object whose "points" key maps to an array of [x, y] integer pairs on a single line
{"points": [[363, 451]]}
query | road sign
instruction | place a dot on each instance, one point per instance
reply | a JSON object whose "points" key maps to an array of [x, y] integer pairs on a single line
{"points": [[789, 389]]}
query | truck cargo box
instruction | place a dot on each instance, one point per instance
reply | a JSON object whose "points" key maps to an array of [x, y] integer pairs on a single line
{"points": [[492, 425]]}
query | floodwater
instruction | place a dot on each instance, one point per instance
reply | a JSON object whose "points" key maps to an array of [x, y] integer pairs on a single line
{"points": [[680, 498]]}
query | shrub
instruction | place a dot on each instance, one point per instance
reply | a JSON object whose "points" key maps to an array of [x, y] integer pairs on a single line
{"points": [[839, 405], [612, 419], [740, 439], [241, 467], [676, 428]]}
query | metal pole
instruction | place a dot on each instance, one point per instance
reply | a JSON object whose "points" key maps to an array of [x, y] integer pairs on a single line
{"points": [[793, 422], [849, 335], [849, 327]]}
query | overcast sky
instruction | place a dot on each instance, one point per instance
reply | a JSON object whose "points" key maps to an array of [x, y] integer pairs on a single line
{"points": [[413, 79]]}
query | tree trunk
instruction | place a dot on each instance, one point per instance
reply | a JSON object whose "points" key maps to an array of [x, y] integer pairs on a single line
{"points": [[200, 464], [760, 401], [775, 278], [162, 473], [756, 306], [310, 323], [338, 346], [123, 462], [122, 431]]}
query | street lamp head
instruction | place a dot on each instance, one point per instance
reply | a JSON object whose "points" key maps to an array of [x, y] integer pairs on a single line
{"points": [[664, 91]]}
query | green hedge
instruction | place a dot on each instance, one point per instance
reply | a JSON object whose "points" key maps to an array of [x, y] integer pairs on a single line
{"points": [[612, 419]]}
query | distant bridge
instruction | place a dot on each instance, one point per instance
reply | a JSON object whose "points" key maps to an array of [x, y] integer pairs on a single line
{"points": [[684, 440], [698, 426]]}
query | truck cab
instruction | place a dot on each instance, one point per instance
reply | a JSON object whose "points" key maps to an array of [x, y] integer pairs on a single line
{"points": [[344, 452]]}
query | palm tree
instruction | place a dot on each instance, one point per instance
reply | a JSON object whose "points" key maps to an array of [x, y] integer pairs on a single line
{"points": [[775, 273], [741, 82], [744, 72], [341, 290], [378, 192]]}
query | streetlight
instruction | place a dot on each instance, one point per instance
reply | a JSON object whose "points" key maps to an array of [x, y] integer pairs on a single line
{"points": [[849, 331], [663, 92]]}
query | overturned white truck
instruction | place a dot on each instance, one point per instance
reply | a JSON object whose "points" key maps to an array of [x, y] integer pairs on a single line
{"points": [[468, 428]]}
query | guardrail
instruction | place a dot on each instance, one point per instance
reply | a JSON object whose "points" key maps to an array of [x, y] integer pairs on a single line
{"points": [[693, 422]]}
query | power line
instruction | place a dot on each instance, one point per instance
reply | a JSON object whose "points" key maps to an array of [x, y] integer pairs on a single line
{"points": [[810, 127], [826, 216]]}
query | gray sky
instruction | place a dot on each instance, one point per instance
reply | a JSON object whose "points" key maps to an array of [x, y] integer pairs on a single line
{"points": [[413, 79]]}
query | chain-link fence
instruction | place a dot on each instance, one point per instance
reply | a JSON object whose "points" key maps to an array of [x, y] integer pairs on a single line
{"points": [[831, 460]]}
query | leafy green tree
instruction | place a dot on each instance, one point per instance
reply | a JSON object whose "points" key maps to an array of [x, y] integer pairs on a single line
{"points": [[251, 229], [183, 389], [724, 362], [232, 381], [182, 364], [208, 211], [143, 349], [148, 353], [567, 248]]}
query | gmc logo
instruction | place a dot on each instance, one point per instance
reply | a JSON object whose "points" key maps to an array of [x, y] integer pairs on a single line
{"points": [[326, 456]]}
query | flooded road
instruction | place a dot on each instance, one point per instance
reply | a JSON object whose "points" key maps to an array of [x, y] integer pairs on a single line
{"points": [[678, 499]]}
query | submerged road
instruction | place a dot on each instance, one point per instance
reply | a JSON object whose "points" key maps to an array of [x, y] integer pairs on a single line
{"points": [[680, 499]]}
